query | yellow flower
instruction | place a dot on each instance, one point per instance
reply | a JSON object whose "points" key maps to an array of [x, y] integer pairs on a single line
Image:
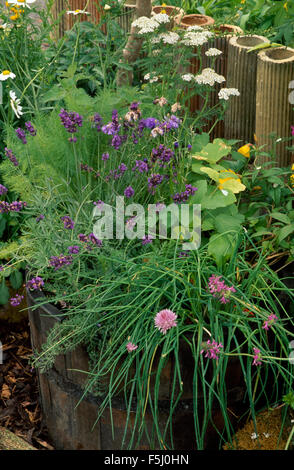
{"points": [[286, 6], [292, 167], [245, 150], [163, 11]]}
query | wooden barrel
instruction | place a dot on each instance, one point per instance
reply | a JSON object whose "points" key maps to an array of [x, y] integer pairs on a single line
{"points": [[175, 13], [70, 426]]}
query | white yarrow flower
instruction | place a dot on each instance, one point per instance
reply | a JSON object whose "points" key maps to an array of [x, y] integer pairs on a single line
{"points": [[192, 38], [15, 104], [195, 28], [145, 25], [213, 52], [161, 18], [225, 93], [170, 38], [209, 77], [6, 74], [188, 77]]}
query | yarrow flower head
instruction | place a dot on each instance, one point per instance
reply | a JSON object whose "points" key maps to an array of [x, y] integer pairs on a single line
{"points": [[257, 359], [212, 349], [36, 283], [219, 289], [165, 320], [225, 93], [209, 77], [213, 52], [271, 320], [131, 347]]}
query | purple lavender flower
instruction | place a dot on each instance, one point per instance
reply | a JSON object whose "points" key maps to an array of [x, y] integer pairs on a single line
{"points": [[176, 145], [99, 204], [162, 154], [184, 195], [70, 121], [95, 240], [87, 168], [74, 250], [98, 121], [141, 166], [58, 262], [68, 222], [189, 146], [83, 238], [40, 217], [36, 283], [11, 156], [129, 192], [117, 141], [4, 207], [147, 239], [17, 206], [3, 190], [154, 181], [105, 156], [21, 135], [30, 128], [14, 301]]}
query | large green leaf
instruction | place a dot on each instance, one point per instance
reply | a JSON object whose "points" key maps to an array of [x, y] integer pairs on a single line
{"points": [[215, 198], [225, 222], [221, 247], [285, 232], [201, 186], [213, 152], [16, 279], [4, 293]]}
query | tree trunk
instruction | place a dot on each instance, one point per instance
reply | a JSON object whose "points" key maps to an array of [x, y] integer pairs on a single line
{"points": [[133, 47]]}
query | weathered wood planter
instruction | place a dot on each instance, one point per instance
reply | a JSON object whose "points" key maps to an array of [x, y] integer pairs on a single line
{"points": [[66, 21], [70, 427]]}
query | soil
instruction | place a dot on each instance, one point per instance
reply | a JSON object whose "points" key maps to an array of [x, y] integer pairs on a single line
{"points": [[20, 410], [266, 434]]}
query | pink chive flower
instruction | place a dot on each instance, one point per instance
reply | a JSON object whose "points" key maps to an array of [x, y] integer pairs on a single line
{"points": [[257, 357], [131, 347], [165, 320], [292, 130], [270, 321], [219, 289], [212, 349]]}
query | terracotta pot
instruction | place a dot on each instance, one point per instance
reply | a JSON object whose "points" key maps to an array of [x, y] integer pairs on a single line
{"points": [[193, 20]]}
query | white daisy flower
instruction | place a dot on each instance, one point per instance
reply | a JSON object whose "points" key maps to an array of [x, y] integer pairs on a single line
{"points": [[77, 12], [213, 52], [225, 93], [15, 104], [6, 74], [21, 3]]}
